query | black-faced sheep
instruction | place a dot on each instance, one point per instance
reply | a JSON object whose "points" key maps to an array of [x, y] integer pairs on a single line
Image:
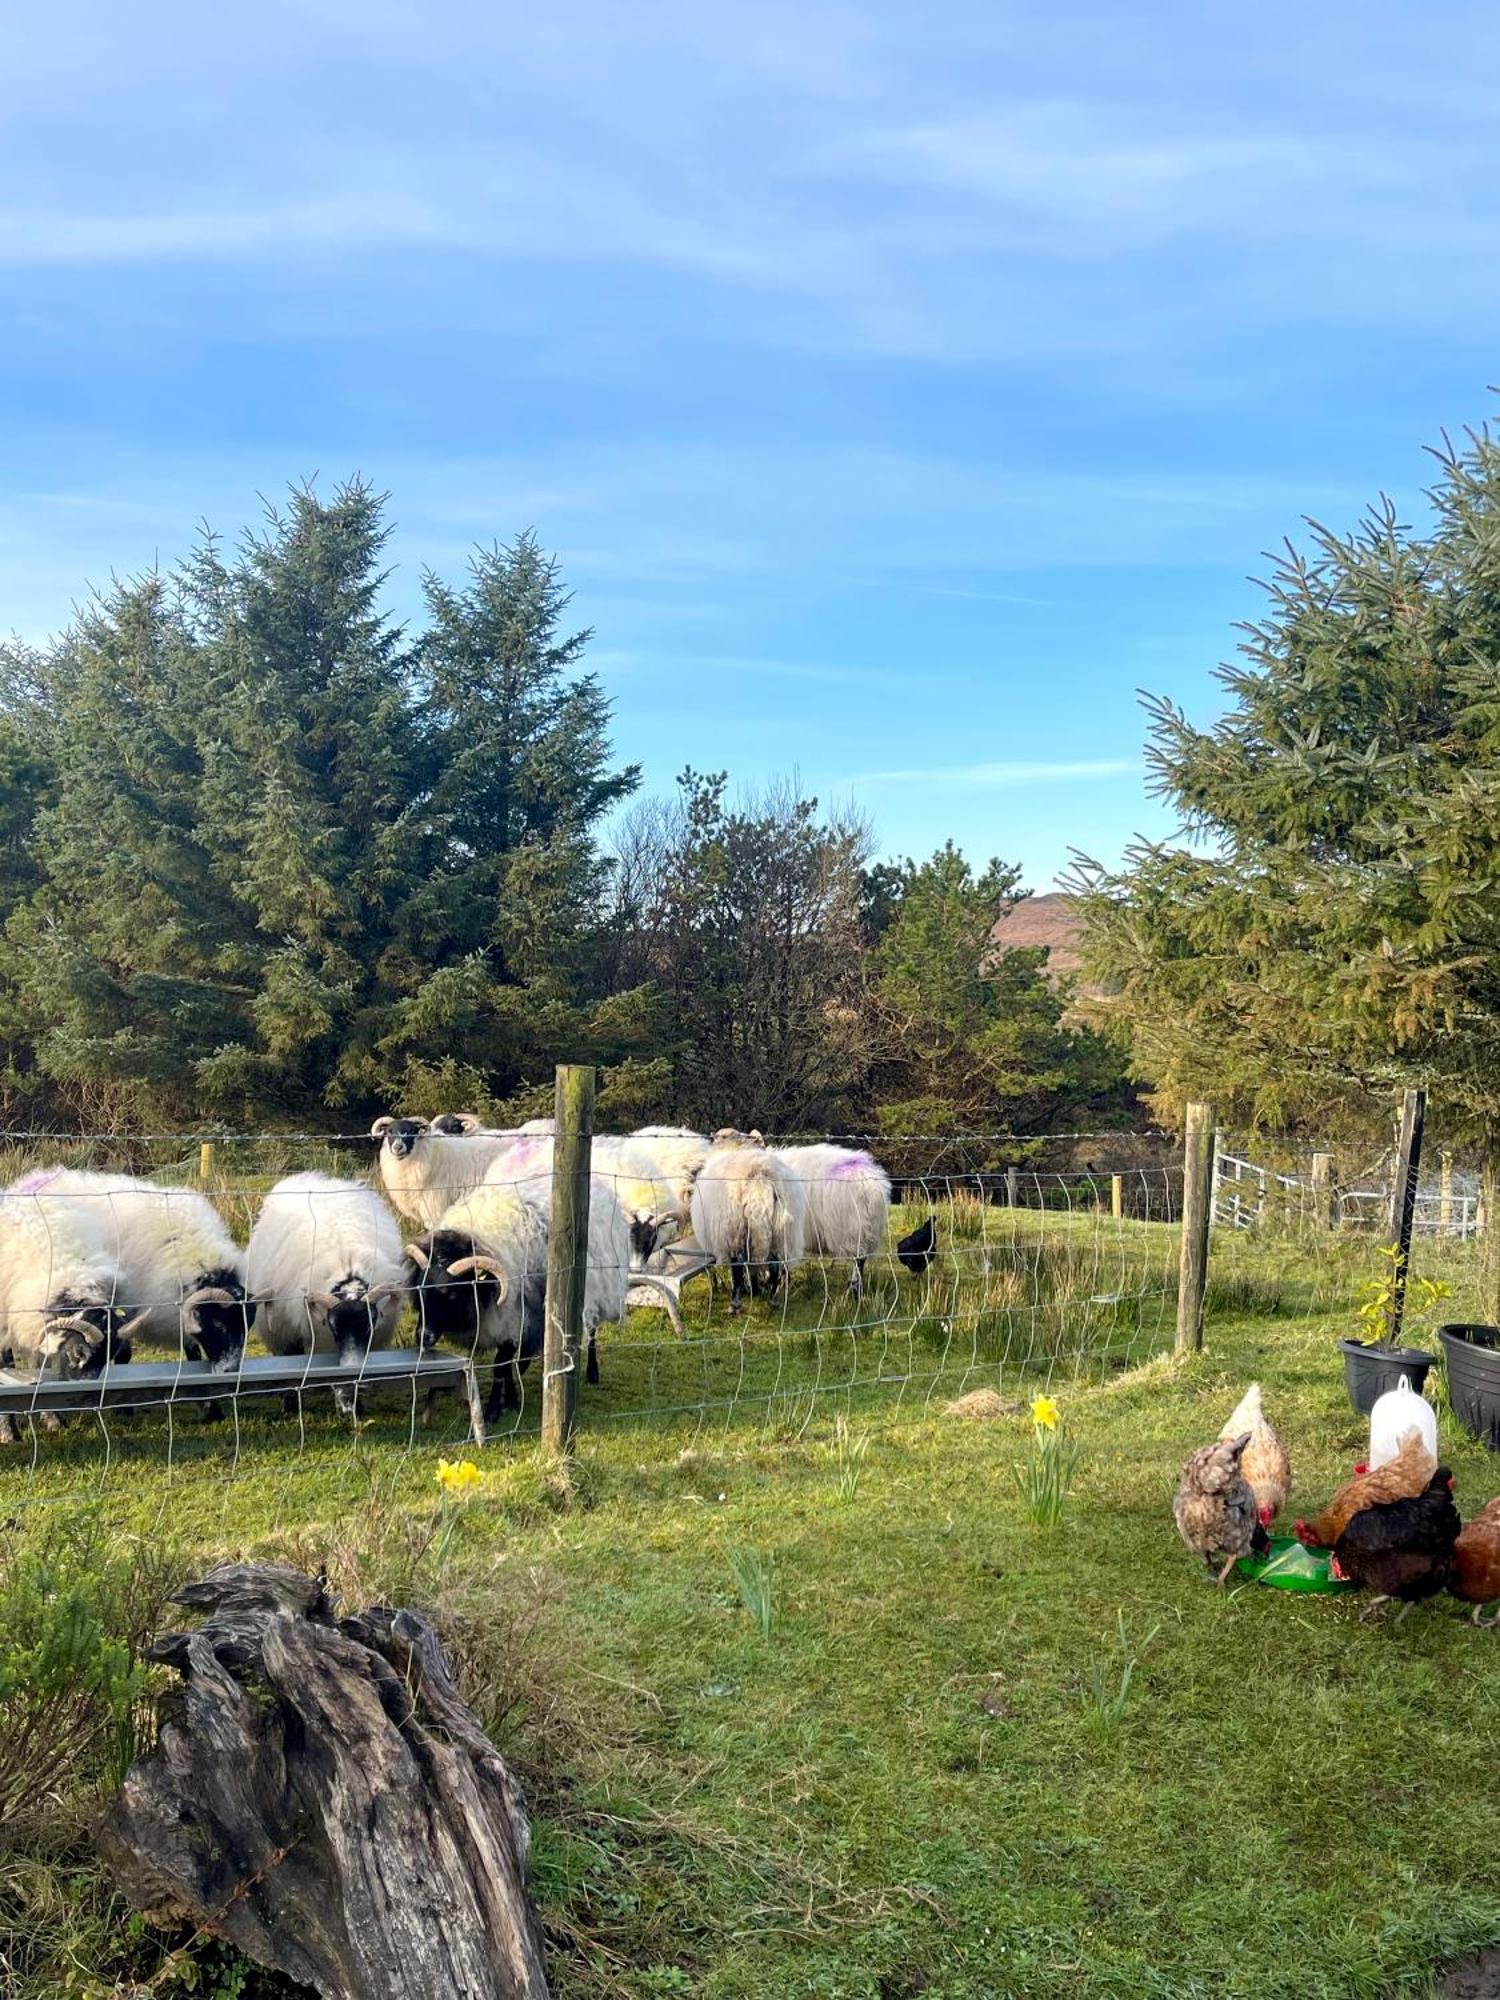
{"points": [[479, 1279], [62, 1296], [326, 1259], [425, 1171], [177, 1261]]}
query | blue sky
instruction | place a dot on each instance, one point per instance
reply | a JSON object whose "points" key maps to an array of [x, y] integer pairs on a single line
{"points": [[901, 388]]}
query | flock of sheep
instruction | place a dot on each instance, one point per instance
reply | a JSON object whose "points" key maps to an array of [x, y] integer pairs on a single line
{"points": [[88, 1261]]}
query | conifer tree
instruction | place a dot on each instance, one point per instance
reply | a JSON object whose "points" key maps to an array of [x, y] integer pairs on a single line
{"points": [[975, 1038], [291, 863], [1336, 934]]}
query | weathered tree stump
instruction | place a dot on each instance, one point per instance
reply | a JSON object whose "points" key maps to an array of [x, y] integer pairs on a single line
{"points": [[322, 1798]]}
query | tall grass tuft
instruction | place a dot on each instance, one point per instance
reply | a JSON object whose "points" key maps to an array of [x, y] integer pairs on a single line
{"points": [[1108, 1680], [849, 1453], [755, 1577]]}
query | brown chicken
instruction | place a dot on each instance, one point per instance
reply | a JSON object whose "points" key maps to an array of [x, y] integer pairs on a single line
{"points": [[1401, 1478], [1267, 1469], [1476, 1563], [1214, 1508]]}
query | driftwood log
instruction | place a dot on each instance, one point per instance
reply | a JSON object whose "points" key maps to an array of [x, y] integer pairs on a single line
{"points": [[323, 1799]]}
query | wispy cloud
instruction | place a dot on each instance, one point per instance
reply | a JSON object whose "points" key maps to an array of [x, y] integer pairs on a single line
{"points": [[1078, 163], [224, 232], [1005, 775]]}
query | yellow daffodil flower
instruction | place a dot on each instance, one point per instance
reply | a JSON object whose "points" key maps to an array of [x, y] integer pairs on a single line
{"points": [[461, 1476], [1044, 1413]]}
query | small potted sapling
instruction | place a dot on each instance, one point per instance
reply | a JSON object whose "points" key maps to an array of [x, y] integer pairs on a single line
{"points": [[1374, 1363]]}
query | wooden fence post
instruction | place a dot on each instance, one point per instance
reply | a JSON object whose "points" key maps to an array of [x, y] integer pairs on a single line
{"points": [[1198, 1150], [1117, 1195], [1322, 1189], [1403, 1208], [1012, 1187], [567, 1253], [1445, 1193], [206, 1162]]}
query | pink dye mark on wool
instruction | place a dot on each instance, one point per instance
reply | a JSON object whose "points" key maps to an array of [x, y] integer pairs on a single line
{"points": [[527, 1166], [36, 1180], [854, 1168]]}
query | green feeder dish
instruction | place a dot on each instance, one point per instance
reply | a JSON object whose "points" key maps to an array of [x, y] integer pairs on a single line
{"points": [[1290, 1566]]}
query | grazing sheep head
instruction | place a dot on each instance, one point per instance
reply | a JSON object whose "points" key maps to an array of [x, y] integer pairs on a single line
{"points": [[400, 1136], [456, 1124], [453, 1283], [354, 1312], [650, 1232], [216, 1317], [76, 1348]]}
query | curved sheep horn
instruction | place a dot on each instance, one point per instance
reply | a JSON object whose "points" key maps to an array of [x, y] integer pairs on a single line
{"points": [[71, 1323], [486, 1267], [132, 1325], [212, 1295], [326, 1302], [381, 1126], [378, 1292], [418, 1256]]}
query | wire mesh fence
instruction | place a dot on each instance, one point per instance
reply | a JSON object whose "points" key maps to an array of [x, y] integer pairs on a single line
{"points": [[1325, 1214], [152, 1283], [264, 1306], [1248, 1192]]}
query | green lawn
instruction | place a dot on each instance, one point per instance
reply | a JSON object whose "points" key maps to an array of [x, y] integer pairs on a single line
{"points": [[910, 1786]]}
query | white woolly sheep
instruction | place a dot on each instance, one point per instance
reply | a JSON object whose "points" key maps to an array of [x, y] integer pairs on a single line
{"points": [[652, 1210], [525, 1164], [527, 1168], [679, 1154], [425, 1171], [748, 1212], [62, 1296], [325, 1257], [178, 1262], [655, 1210], [480, 1277], [848, 1198]]}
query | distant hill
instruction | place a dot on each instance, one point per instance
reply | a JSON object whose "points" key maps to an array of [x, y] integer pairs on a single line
{"points": [[1048, 922]]}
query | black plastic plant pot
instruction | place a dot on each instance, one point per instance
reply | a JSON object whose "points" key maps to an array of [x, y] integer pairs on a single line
{"points": [[1473, 1357], [1370, 1370]]}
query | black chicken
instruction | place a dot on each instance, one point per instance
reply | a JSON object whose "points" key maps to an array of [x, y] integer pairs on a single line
{"points": [[918, 1250], [1401, 1548]]}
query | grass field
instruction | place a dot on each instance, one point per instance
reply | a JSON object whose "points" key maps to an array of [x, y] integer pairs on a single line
{"points": [[923, 1778]]}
